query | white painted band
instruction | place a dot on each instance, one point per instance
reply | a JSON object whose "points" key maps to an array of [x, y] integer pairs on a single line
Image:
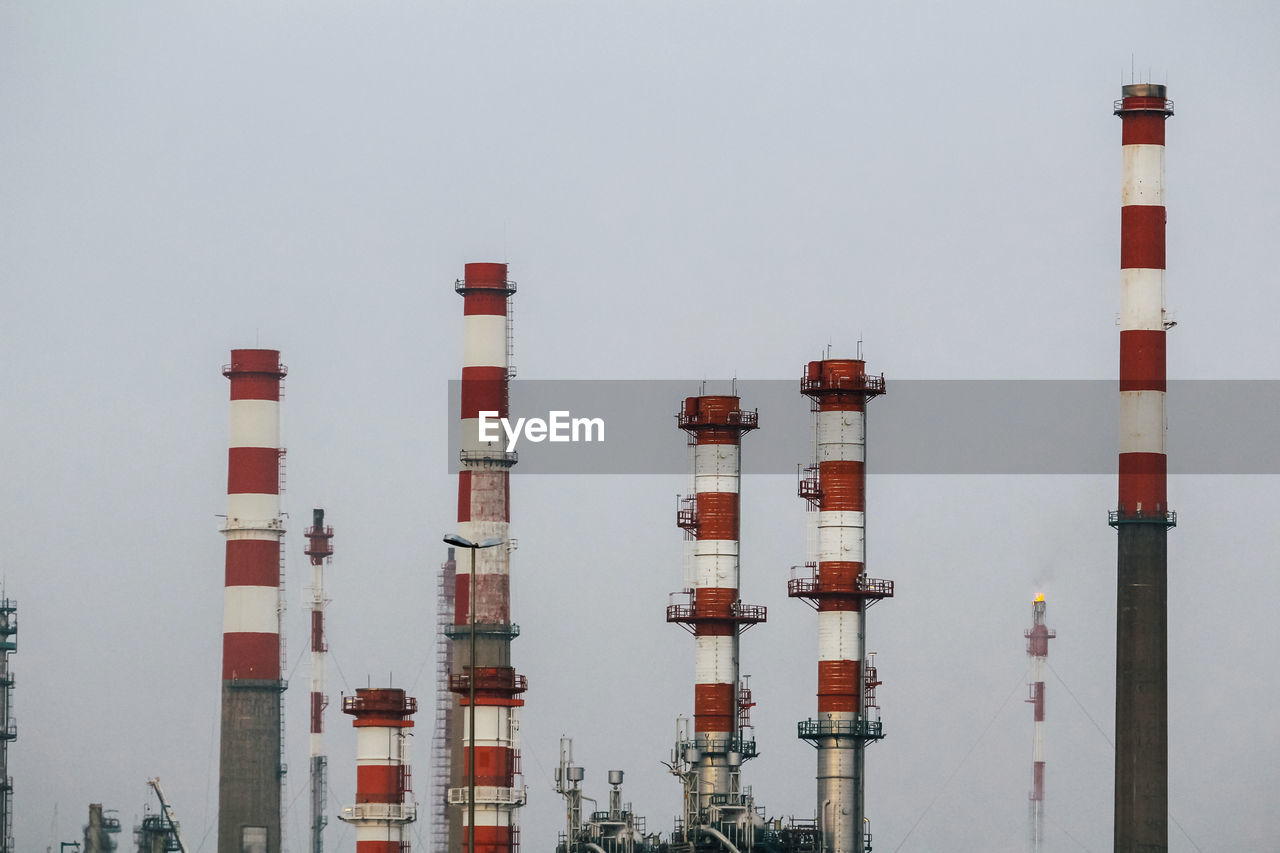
{"points": [[841, 543], [840, 635], [715, 468], [715, 660], [380, 746], [484, 340], [841, 436], [488, 815], [1143, 181], [493, 725], [839, 518], [253, 509], [255, 423], [1142, 424], [495, 560], [715, 571], [251, 610], [1141, 299]]}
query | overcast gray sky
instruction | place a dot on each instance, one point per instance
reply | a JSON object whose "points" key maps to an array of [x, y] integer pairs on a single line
{"points": [[683, 191]]}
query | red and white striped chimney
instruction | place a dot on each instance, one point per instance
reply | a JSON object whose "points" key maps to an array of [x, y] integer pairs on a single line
{"points": [[383, 806], [837, 586], [251, 768], [1142, 517], [1143, 465], [320, 551], [484, 511], [714, 613], [1038, 637]]}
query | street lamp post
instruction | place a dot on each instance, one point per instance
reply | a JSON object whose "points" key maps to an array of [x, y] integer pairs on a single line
{"points": [[460, 542]]}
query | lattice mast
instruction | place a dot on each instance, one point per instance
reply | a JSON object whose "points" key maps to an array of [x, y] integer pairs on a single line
{"points": [[1142, 517], [837, 586], [443, 735], [320, 551], [1038, 637], [712, 610], [252, 769], [484, 513], [8, 726]]}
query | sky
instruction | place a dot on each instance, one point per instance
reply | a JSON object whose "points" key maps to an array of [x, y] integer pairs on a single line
{"points": [[684, 191]]}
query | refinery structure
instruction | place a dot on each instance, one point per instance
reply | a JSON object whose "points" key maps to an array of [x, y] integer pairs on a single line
{"points": [[476, 786]]}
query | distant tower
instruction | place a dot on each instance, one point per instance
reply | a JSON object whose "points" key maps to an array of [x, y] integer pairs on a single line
{"points": [[251, 770], [837, 586], [442, 738], [8, 728], [1142, 517], [383, 806], [99, 830], [484, 512], [1038, 637], [714, 613], [320, 550]]}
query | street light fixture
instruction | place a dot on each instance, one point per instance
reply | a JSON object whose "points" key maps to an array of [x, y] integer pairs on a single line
{"points": [[462, 542]]}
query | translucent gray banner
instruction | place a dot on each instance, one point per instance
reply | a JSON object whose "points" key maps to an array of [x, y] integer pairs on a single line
{"points": [[918, 427]]}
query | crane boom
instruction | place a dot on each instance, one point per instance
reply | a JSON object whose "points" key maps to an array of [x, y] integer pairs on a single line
{"points": [[167, 810]]}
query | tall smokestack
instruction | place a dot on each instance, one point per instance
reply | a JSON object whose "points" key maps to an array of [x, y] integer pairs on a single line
{"points": [[714, 614], [383, 806], [837, 586], [251, 770], [1038, 637], [320, 551], [484, 513], [1142, 518]]}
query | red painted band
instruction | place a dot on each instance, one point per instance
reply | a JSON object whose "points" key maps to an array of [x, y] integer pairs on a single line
{"points": [[1142, 360], [717, 515], [1143, 483], [485, 274], [490, 495], [1145, 128], [714, 601], [253, 562], [382, 846], [484, 389], [251, 657], [490, 304], [379, 719], [839, 685], [843, 486], [464, 496], [380, 783], [714, 707], [253, 471], [490, 702], [1142, 236], [718, 435], [255, 387], [317, 631], [318, 704], [842, 401], [493, 598], [495, 765], [489, 839]]}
